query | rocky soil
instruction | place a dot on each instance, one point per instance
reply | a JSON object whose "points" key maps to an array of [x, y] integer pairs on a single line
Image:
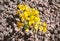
{"points": [[49, 11]]}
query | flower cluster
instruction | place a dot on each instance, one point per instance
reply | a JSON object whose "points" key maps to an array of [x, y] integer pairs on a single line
{"points": [[29, 17]]}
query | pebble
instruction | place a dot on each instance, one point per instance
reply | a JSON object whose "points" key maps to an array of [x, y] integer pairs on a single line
{"points": [[1, 8], [1, 28], [58, 35], [40, 8], [55, 31], [1, 36]]}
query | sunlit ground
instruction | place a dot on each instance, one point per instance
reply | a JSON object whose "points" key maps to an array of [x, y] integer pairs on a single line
{"points": [[29, 20]]}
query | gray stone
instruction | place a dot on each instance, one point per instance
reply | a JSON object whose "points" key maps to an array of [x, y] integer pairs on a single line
{"points": [[1, 36], [57, 1], [1, 28], [59, 35], [55, 31], [40, 8], [1, 8], [6, 0]]}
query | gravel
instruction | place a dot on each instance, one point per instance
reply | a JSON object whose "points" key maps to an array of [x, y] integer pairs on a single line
{"points": [[49, 11]]}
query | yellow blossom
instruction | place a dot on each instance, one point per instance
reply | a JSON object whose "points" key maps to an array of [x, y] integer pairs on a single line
{"points": [[27, 30], [44, 24], [22, 7], [17, 12], [36, 27], [31, 22], [31, 17], [39, 23], [41, 28], [19, 25], [37, 19], [44, 29], [35, 12], [26, 14]]}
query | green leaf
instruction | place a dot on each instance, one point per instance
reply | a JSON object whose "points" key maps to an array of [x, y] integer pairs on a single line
{"points": [[26, 26]]}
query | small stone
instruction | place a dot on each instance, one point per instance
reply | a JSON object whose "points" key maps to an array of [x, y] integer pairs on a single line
{"points": [[59, 35], [14, 6], [1, 36], [46, 39], [6, 33], [45, 4], [55, 7], [57, 1], [13, 39], [10, 30], [52, 26], [58, 5], [40, 8], [1, 1], [17, 19], [1, 8], [16, 29], [19, 39], [22, 33], [1, 28], [55, 31]]}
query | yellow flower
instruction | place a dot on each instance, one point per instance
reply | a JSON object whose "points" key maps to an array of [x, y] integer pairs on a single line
{"points": [[39, 22], [35, 12], [27, 8], [27, 30], [17, 12], [37, 19], [44, 29], [36, 27], [19, 24], [31, 17], [22, 7], [22, 17], [41, 28], [26, 14], [31, 22], [44, 24]]}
